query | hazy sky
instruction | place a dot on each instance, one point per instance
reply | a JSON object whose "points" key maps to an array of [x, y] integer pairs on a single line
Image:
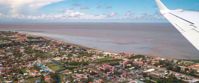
{"points": [[87, 10]]}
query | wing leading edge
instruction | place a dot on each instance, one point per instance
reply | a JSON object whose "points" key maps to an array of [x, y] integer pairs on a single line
{"points": [[186, 22]]}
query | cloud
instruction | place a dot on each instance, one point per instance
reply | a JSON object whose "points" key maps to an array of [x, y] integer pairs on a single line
{"points": [[67, 14], [41, 3], [112, 14], [148, 17], [129, 14], [16, 5], [72, 13]]}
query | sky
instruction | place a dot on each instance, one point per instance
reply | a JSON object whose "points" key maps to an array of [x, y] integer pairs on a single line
{"points": [[13, 11]]}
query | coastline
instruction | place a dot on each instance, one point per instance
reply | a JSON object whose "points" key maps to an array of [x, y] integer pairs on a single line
{"points": [[55, 57], [46, 36], [59, 38], [50, 38], [152, 40]]}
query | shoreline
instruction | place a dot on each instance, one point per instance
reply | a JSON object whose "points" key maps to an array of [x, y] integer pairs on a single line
{"points": [[52, 39], [48, 56], [152, 40], [47, 36]]}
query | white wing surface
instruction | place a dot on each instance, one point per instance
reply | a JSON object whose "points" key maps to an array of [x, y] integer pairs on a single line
{"points": [[186, 22]]}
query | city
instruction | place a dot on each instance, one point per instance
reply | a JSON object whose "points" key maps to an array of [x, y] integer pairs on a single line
{"points": [[26, 58]]}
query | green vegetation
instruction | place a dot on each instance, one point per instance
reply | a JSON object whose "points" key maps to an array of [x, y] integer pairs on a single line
{"points": [[55, 67], [170, 65], [56, 78], [195, 61], [169, 79], [62, 78], [33, 80], [76, 63], [107, 60], [23, 59], [1, 79], [85, 54], [70, 67], [37, 53], [138, 57], [73, 65], [24, 70]]}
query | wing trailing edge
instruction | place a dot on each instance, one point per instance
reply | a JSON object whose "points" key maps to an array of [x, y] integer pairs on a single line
{"points": [[181, 20]]}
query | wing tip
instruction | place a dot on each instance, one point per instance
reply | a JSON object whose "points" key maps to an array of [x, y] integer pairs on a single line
{"points": [[161, 6]]}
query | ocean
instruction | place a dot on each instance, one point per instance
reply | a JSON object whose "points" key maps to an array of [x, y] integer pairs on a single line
{"points": [[152, 39]]}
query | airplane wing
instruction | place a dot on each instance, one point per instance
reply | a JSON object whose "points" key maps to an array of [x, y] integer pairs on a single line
{"points": [[186, 22]]}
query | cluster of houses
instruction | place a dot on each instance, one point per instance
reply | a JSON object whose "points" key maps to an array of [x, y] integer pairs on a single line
{"points": [[25, 58]]}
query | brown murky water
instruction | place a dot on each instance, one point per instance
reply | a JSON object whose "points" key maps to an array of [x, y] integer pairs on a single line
{"points": [[156, 39]]}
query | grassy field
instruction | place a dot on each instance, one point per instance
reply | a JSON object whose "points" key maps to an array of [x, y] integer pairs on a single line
{"points": [[55, 67], [32, 80]]}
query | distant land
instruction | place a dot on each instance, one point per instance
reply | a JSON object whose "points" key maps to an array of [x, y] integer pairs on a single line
{"points": [[154, 39]]}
